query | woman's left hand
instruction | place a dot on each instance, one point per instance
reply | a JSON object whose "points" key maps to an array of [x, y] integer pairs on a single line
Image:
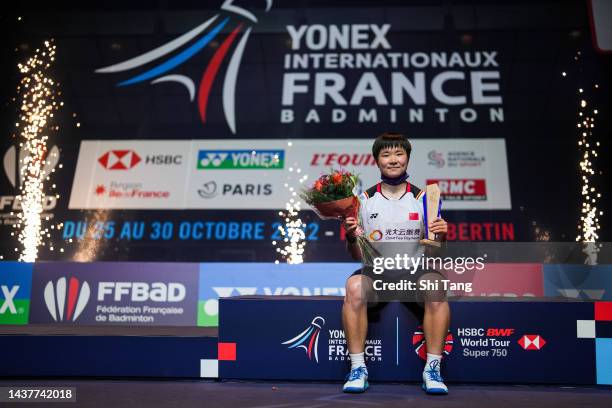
{"points": [[438, 226]]}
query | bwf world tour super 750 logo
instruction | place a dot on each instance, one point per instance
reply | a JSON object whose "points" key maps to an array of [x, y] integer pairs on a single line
{"points": [[203, 35]]}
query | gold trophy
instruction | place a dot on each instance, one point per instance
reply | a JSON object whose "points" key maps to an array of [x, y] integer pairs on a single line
{"points": [[431, 211]]}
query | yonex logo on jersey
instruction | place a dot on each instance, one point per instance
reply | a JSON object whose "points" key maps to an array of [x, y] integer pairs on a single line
{"points": [[241, 159], [372, 216]]}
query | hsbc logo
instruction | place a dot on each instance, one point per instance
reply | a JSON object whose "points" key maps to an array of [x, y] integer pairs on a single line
{"points": [[532, 342], [119, 159], [66, 302], [462, 189]]}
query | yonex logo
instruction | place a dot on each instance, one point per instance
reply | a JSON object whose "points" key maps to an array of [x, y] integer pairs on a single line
{"points": [[308, 339], [66, 302], [119, 159], [374, 215], [532, 342], [211, 159], [241, 159], [193, 42]]}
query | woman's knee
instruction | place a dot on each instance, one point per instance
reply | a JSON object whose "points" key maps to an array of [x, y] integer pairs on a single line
{"points": [[354, 292], [435, 305]]}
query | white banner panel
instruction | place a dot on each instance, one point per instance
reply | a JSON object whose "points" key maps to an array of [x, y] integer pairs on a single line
{"points": [[131, 174], [265, 173]]}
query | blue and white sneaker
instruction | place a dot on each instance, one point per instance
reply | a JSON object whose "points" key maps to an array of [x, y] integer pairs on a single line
{"points": [[432, 380], [356, 380]]}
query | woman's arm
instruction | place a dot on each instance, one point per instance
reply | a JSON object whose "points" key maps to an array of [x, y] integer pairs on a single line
{"points": [[350, 226]]}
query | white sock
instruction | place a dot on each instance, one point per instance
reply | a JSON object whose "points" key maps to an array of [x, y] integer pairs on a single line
{"points": [[357, 360], [435, 359]]}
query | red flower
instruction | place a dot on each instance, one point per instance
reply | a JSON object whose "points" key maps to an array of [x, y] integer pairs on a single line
{"points": [[318, 185], [337, 178]]}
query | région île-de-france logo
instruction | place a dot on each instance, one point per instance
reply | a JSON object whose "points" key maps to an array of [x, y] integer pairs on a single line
{"points": [[420, 346], [66, 302], [199, 37], [532, 342], [119, 159], [308, 339]]}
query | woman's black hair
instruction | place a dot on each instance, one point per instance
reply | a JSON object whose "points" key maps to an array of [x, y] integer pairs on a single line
{"points": [[389, 140]]}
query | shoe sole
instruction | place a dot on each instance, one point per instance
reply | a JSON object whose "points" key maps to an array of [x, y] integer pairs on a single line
{"points": [[351, 390], [434, 391]]}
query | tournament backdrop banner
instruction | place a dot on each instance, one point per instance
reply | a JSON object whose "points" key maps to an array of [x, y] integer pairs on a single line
{"points": [[157, 105], [15, 289], [118, 293], [517, 342], [584, 282], [219, 280], [256, 174]]}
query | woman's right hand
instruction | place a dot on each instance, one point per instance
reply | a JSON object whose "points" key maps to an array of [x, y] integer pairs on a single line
{"points": [[350, 226]]}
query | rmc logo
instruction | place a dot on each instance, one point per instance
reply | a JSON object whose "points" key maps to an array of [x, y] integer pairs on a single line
{"points": [[199, 37]]}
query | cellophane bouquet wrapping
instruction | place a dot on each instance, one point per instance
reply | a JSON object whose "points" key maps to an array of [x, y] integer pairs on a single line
{"points": [[333, 196]]}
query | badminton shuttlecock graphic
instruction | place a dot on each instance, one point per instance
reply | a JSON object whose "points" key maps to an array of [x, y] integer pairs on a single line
{"points": [[308, 339], [163, 60]]}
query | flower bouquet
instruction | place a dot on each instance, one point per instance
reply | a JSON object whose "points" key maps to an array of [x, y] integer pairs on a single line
{"points": [[333, 196]]}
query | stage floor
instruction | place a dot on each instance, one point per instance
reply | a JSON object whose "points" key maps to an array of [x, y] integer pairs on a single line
{"points": [[95, 393]]}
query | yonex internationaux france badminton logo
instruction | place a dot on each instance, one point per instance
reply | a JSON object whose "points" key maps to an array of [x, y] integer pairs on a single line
{"points": [[66, 302], [308, 339], [183, 48]]}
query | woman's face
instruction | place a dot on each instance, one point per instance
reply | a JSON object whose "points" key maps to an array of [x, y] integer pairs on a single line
{"points": [[393, 161]]}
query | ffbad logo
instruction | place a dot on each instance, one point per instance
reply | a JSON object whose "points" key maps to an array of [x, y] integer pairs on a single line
{"points": [[532, 342], [142, 291], [66, 301]]}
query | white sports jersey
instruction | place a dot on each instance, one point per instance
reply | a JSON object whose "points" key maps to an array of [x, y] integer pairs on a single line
{"points": [[390, 223]]}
